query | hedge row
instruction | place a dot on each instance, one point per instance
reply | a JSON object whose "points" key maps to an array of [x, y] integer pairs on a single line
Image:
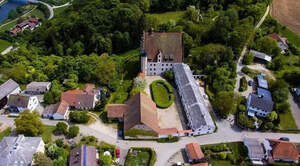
{"points": [[160, 94], [152, 154], [243, 84], [107, 147], [137, 132]]}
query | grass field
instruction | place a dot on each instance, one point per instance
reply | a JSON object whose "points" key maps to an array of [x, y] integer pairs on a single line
{"points": [[47, 133], [287, 121], [221, 163], [5, 133], [141, 159], [8, 26], [291, 36], [57, 11], [38, 13], [165, 17], [4, 44]]}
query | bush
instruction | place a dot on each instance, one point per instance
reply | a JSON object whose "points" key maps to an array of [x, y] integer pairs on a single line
{"points": [[242, 108], [79, 117], [73, 131], [170, 139], [248, 59], [107, 147], [245, 121], [89, 140], [61, 128], [282, 107], [149, 150], [59, 143], [169, 75], [162, 93], [243, 84]]}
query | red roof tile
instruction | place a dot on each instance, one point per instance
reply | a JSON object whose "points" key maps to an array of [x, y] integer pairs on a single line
{"points": [[194, 151], [116, 110], [200, 164], [284, 150]]}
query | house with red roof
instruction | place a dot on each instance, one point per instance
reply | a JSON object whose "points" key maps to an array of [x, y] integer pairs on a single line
{"points": [[279, 150], [194, 153], [31, 24], [281, 41], [160, 50]]}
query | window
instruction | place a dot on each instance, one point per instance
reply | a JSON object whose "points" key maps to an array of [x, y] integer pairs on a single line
{"points": [[162, 64], [150, 64], [171, 64], [167, 64], [154, 64], [150, 69], [162, 69], [154, 73], [154, 69]]}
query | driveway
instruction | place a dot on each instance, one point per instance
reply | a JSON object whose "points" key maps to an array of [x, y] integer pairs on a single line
{"points": [[295, 109]]}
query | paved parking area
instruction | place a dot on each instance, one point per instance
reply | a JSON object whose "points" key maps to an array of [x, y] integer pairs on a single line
{"points": [[169, 117]]}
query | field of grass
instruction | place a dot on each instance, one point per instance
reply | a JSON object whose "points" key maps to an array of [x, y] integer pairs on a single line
{"points": [[5, 133], [291, 36], [165, 17], [287, 121], [141, 159], [38, 13], [57, 11], [221, 163], [8, 26], [4, 44], [47, 133]]}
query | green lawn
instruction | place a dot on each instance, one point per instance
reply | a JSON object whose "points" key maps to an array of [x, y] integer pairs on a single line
{"points": [[165, 17], [291, 36], [38, 13], [141, 159], [57, 11], [221, 163], [5, 133], [4, 44], [162, 93], [287, 121], [47, 133]]}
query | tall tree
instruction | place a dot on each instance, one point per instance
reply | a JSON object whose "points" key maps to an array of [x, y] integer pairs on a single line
{"points": [[29, 124]]}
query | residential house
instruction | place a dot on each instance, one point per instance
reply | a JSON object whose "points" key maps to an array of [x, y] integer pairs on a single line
{"points": [[19, 150], [31, 24], [38, 87], [199, 119], [264, 93], [83, 156], [281, 41], [262, 56], [262, 82], [159, 51], [19, 102], [298, 91], [82, 99], [279, 150], [139, 113], [194, 153], [6, 89], [200, 164], [259, 105], [255, 150]]}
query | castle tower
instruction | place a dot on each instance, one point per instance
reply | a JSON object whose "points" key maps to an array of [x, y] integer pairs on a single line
{"points": [[143, 62]]}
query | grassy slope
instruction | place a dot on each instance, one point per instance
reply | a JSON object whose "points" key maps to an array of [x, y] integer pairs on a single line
{"points": [[5, 133], [60, 10], [291, 36], [165, 17], [38, 13], [47, 133], [4, 44], [287, 121]]}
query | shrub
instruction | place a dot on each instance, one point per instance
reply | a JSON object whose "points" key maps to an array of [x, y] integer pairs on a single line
{"points": [[162, 93], [169, 75], [59, 143], [107, 147], [242, 107], [149, 150], [245, 121], [248, 59], [223, 155], [89, 140], [243, 84], [61, 128], [246, 70], [170, 139], [73, 131], [79, 117]]}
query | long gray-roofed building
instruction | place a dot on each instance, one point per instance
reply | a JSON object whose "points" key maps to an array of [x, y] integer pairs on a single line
{"points": [[256, 152], [199, 119], [19, 151]]}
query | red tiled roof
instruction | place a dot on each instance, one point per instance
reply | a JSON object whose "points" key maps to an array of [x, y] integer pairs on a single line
{"points": [[116, 110], [278, 38], [62, 108], [194, 151], [284, 150], [169, 44], [200, 164]]}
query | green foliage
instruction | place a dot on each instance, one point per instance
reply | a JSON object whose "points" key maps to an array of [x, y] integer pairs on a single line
{"points": [[248, 59], [243, 84], [242, 108], [59, 143], [5, 133], [169, 75], [61, 128], [12, 14], [267, 45], [79, 117], [40, 159], [103, 147], [89, 140], [272, 116], [249, 72], [53, 96], [29, 124], [162, 93], [57, 154], [226, 103], [139, 132], [282, 107], [73, 131], [145, 156], [106, 160], [279, 90], [245, 121], [169, 139], [47, 133]]}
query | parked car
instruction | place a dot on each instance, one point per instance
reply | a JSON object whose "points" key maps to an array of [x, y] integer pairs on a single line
{"points": [[118, 153], [284, 139], [250, 82]]}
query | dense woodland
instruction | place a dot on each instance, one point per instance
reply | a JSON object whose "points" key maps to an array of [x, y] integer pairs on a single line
{"points": [[81, 44]]}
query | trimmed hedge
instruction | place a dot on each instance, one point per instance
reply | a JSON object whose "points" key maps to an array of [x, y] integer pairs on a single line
{"points": [[162, 93], [243, 84], [138, 132], [104, 146]]}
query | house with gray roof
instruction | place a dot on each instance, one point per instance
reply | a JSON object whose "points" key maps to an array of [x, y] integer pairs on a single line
{"points": [[6, 89], [259, 105], [256, 152], [19, 102], [262, 56], [19, 151], [199, 119], [38, 87], [83, 156], [262, 82]]}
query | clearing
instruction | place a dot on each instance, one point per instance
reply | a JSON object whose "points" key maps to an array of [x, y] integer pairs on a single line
{"points": [[165, 17], [287, 13], [3, 45]]}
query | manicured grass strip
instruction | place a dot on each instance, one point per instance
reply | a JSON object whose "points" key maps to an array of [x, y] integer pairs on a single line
{"points": [[138, 132], [47, 133], [165, 17], [287, 121], [5, 133], [57, 11], [162, 93], [38, 13], [4, 44], [220, 163]]}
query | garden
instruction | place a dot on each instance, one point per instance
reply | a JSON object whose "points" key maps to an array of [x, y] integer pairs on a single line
{"points": [[226, 154], [162, 93], [140, 157]]}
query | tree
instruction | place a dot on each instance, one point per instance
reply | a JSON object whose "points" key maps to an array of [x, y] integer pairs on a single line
{"points": [[61, 128], [73, 131], [40, 159], [248, 59], [268, 46], [29, 124], [12, 14], [272, 116], [79, 117], [226, 103], [280, 91], [139, 82], [105, 70], [53, 96], [106, 160]]}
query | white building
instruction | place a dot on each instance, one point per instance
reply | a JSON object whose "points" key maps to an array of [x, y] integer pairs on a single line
{"points": [[19, 102], [199, 119], [159, 51], [38, 87]]}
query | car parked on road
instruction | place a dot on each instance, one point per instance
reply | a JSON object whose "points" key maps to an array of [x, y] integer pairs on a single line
{"points": [[284, 139], [118, 153]]}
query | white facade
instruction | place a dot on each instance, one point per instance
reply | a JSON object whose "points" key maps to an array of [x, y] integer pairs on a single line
{"points": [[58, 116], [155, 68], [32, 103]]}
